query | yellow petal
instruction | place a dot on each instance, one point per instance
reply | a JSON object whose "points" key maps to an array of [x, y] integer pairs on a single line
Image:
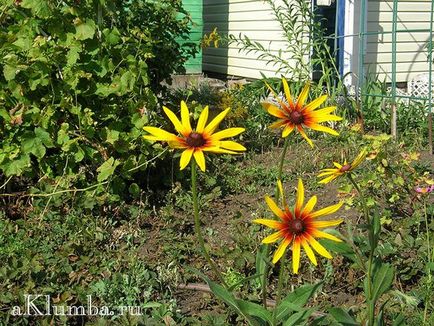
{"points": [[185, 117], [309, 206], [227, 144], [309, 252], [176, 123], [315, 103], [274, 208], [301, 131], [216, 121], [300, 198], [185, 158], [328, 130], [282, 193], [286, 89], [288, 129], [275, 95], [270, 223], [274, 237], [324, 111], [277, 124], [326, 224], [161, 134], [231, 132], [296, 256], [203, 118], [200, 159], [339, 166], [327, 210], [327, 172], [273, 110], [359, 159], [321, 234], [329, 179], [281, 250], [303, 96], [319, 248], [324, 118], [218, 150]]}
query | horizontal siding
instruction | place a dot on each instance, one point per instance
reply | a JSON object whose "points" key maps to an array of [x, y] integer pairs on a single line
{"points": [[252, 18], [195, 9], [411, 53]]}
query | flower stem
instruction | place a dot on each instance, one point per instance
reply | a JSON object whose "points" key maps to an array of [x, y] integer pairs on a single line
{"points": [[267, 247], [197, 223], [279, 286], [369, 300], [427, 303]]}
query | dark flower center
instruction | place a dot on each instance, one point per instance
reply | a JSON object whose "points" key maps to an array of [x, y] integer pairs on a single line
{"points": [[296, 117], [296, 226], [345, 168], [195, 140]]}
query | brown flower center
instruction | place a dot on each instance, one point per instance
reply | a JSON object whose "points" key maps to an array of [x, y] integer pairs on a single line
{"points": [[296, 226], [345, 168], [195, 140], [296, 117]]}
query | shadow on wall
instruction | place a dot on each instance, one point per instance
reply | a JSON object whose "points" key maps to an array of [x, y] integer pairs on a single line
{"points": [[215, 15]]}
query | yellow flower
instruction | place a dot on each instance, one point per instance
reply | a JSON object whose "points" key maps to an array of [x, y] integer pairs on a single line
{"points": [[299, 227], [297, 114], [196, 141], [341, 169]]}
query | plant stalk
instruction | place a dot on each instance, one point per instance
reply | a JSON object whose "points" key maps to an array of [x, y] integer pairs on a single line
{"points": [[267, 247], [279, 286], [369, 300], [197, 223]]}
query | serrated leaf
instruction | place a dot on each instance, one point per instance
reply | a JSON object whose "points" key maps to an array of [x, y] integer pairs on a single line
{"points": [[18, 166], [44, 136], [9, 72], [85, 30], [34, 146], [107, 169], [39, 7]]}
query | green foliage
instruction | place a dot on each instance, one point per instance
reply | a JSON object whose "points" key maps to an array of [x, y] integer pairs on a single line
{"points": [[78, 81]]}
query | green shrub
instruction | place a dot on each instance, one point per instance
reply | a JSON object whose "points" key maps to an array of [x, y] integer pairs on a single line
{"points": [[78, 81]]}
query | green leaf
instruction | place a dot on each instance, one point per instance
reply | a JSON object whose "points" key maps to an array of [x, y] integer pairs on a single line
{"points": [[343, 317], [112, 36], [18, 166], [62, 135], [223, 294], [9, 72], [34, 146], [382, 281], [296, 300], [39, 7], [299, 318], [261, 261], [73, 55], [85, 30], [44, 136], [253, 309], [107, 169]]}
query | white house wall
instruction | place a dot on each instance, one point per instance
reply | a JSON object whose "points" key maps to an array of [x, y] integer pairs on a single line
{"points": [[411, 46], [252, 18]]}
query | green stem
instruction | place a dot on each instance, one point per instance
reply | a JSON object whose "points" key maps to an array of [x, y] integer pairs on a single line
{"points": [[279, 286], [197, 223], [427, 303], [369, 300], [267, 247]]}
